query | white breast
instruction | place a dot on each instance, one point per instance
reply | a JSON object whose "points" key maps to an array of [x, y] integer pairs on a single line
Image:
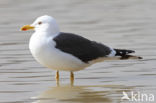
{"points": [[44, 51]]}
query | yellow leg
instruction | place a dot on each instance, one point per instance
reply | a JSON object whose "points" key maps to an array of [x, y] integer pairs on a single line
{"points": [[72, 78], [57, 78]]}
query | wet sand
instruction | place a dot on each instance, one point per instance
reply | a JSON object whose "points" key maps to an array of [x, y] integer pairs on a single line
{"points": [[127, 24]]}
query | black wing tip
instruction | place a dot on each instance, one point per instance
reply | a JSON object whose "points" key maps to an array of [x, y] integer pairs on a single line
{"points": [[140, 57], [123, 52], [130, 57], [132, 51], [129, 51]]}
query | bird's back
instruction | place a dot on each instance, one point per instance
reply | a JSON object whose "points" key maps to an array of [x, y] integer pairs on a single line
{"points": [[81, 47]]}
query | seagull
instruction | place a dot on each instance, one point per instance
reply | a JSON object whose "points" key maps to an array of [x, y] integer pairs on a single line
{"points": [[63, 51]]}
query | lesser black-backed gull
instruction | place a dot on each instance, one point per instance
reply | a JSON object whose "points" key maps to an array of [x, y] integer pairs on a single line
{"points": [[67, 51]]}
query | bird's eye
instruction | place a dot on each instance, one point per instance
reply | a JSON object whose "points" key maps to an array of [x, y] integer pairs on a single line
{"points": [[40, 23]]}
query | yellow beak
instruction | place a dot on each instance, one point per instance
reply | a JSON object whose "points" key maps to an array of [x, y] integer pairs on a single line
{"points": [[27, 27]]}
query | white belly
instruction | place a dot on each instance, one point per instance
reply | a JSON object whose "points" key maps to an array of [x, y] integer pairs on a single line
{"points": [[44, 51]]}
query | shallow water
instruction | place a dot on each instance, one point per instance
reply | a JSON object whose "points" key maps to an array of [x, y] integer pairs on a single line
{"points": [[127, 24]]}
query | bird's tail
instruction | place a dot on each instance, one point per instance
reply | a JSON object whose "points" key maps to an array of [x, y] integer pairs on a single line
{"points": [[124, 54]]}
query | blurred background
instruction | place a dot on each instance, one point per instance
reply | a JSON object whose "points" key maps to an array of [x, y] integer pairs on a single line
{"points": [[127, 24]]}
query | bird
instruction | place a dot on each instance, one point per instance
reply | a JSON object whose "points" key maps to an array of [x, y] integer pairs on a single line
{"points": [[63, 51]]}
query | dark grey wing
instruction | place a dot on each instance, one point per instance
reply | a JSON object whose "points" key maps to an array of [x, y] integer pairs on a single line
{"points": [[81, 47]]}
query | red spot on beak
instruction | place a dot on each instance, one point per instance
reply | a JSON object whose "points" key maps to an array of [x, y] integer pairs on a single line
{"points": [[24, 29], [27, 27]]}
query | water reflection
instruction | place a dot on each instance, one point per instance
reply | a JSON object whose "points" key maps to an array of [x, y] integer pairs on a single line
{"points": [[82, 94]]}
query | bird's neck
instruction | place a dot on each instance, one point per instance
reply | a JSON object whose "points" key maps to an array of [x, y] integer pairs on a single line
{"points": [[46, 33]]}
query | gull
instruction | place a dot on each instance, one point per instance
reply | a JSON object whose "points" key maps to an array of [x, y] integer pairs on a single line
{"points": [[63, 51]]}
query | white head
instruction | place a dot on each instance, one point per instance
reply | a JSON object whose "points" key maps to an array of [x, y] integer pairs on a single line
{"points": [[43, 24]]}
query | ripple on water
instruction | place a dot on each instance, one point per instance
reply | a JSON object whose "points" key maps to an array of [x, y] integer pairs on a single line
{"points": [[126, 24]]}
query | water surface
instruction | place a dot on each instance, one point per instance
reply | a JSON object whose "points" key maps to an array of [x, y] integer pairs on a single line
{"points": [[127, 24]]}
